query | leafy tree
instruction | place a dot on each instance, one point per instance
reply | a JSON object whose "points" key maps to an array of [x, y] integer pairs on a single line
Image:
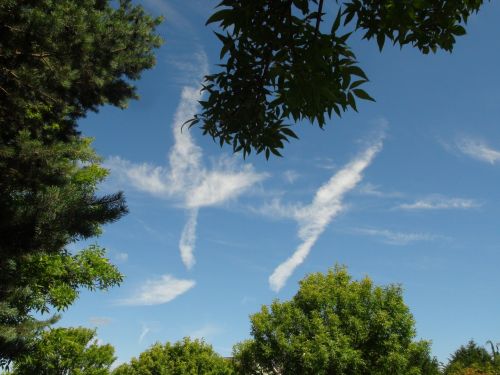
{"points": [[282, 65], [476, 370], [62, 351], [58, 60], [495, 352], [48, 201], [420, 357], [186, 357], [335, 325], [473, 359]]}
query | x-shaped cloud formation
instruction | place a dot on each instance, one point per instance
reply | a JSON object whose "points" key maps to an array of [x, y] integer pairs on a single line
{"points": [[186, 179], [194, 186]]}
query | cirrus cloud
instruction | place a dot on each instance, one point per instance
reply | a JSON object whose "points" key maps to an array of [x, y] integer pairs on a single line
{"points": [[185, 179], [313, 219], [158, 291], [438, 202], [478, 149]]}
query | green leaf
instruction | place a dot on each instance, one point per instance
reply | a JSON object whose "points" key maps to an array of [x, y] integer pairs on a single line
{"points": [[219, 16], [351, 101], [380, 41], [357, 71], [275, 152], [337, 110], [350, 16], [221, 37], [459, 30], [289, 132], [336, 23], [362, 94], [357, 83]]}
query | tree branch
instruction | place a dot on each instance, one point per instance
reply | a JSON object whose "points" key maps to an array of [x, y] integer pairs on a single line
{"points": [[5, 91], [13, 28], [320, 13]]}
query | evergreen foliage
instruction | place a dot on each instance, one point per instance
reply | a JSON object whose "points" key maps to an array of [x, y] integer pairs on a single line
{"points": [[49, 201], [58, 60], [69, 57]]}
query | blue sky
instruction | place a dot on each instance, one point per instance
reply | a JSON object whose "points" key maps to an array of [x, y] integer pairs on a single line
{"points": [[405, 191]]}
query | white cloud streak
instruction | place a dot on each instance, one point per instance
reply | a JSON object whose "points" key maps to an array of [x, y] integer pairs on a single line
{"points": [[100, 321], [186, 179], [314, 218], [440, 203], [291, 176], [275, 209], [144, 331], [121, 257], [478, 150], [376, 191], [188, 239], [186, 68], [159, 291], [173, 16], [205, 332], [396, 238]]}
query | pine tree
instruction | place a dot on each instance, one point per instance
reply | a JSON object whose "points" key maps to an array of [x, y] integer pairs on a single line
{"points": [[59, 59]]}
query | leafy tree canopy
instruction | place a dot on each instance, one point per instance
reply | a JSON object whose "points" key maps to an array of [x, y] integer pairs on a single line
{"points": [[335, 325], [58, 60], [472, 359], [62, 351], [186, 357], [281, 64], [48, 201]]}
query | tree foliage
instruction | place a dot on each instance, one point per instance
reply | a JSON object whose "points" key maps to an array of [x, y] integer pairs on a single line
{"points": [[49, 200], [70, 56], [472, 359], [62, 351], [281, 65], [335, 325], [58, 60], [186, 357]]}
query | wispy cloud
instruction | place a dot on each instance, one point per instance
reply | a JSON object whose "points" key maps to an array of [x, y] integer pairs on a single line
{"points": [[246, 300], [314, 218], [396, 238], [376, 191], [188, 239], [275, 209], [291, 176], [121, 257], [186, 180], [205, 332], [478, 150], [171, 14], [99, 321], [159, 291], [440, 203], [186, 68], [144, 331], [325, 163]]}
